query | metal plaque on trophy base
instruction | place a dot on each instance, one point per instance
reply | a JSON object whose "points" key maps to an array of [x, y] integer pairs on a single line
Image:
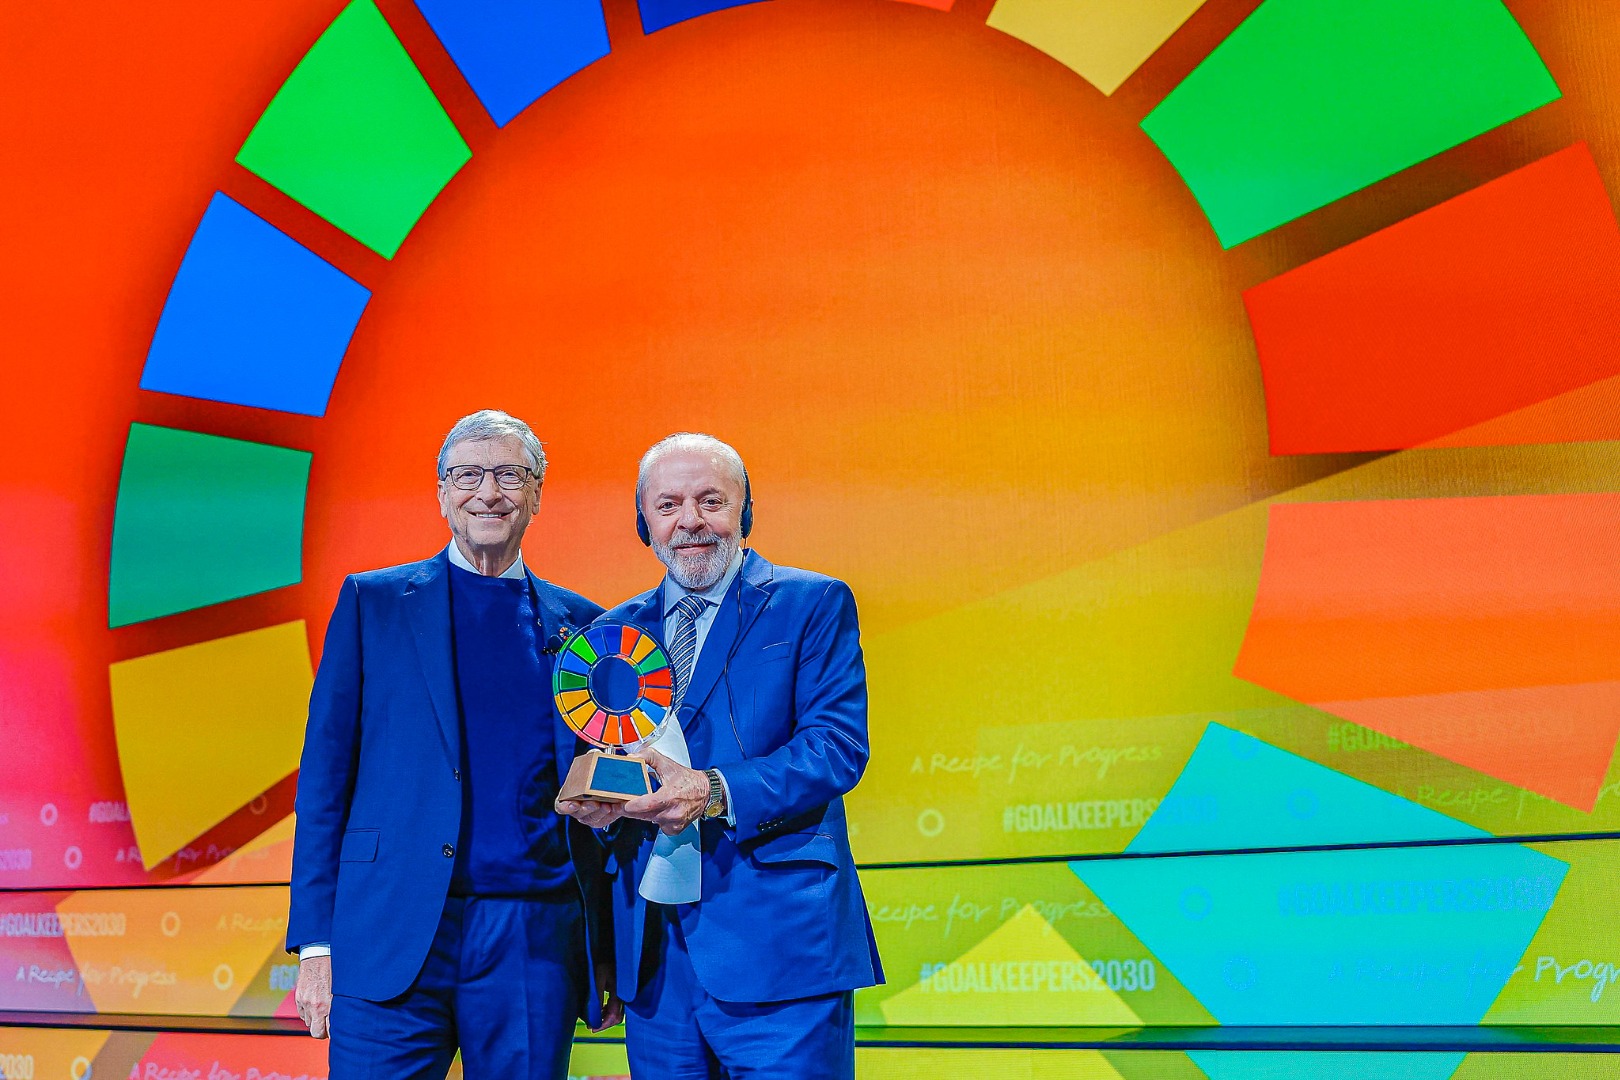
{"points": [[606, 777]]}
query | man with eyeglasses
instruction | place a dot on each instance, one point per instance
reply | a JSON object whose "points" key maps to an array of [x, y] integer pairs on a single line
{"points": [[438, 900]]}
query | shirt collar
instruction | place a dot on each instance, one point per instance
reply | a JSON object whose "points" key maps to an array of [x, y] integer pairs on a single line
{"points": [[714, 594], [516, 570]]}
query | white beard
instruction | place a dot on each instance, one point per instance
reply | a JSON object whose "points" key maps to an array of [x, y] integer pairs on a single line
{"points": [[717, 559]]}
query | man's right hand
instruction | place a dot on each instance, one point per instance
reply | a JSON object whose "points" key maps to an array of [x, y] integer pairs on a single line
{"points": [[314, 993]]}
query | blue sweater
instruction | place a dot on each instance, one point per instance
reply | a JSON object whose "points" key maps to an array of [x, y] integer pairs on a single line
{"points": [[512, 840]]}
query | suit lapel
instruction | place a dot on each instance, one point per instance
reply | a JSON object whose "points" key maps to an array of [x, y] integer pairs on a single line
{"points": [[756, 576], [551, 617], [646, 611], [427, 604], [741, 606]]}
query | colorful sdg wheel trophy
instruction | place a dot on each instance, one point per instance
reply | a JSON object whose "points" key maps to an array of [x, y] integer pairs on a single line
{"points": [[614, 687]]}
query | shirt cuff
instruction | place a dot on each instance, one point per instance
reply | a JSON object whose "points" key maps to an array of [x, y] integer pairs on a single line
{"points": [[309, 952], [731, 810]]}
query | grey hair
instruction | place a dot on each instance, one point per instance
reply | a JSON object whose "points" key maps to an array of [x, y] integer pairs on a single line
{"points": [[493, 424], [690, 440]]}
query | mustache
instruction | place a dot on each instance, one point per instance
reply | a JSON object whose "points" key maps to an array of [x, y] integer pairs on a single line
{"points": [[701, 537]]}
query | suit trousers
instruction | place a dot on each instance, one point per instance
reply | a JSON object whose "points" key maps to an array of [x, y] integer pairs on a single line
{"points": [[676, 1031], [504, 981]]}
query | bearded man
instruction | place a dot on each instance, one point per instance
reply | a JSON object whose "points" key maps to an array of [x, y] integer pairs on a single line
{"points": [[741, 930]]}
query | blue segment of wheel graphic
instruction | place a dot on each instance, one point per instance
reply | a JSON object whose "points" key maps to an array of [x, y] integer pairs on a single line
{"points": [[1407, 935], [253, 318], [513, 51], [1238, 791], [657, 14], [605, 639], [1326, 1065]]}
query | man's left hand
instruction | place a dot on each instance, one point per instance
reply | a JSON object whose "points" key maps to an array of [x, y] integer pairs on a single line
{"points": [[681, 796], [612, 1007]]}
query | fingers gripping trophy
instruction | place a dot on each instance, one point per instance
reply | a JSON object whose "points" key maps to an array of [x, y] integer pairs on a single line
{"points": [[614, 687]]}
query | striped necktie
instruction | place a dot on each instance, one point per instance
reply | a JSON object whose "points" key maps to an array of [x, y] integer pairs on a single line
{"points": [[684, 646]]}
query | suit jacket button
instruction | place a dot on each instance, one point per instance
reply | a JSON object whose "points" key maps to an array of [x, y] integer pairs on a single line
{"points": [[457, 773], [449, 851]]}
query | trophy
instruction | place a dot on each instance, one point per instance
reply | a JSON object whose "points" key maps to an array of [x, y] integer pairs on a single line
{"points": [[614, 687]]}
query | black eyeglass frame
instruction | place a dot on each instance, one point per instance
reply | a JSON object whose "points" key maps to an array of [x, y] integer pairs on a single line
{"points": [[478, 482]]}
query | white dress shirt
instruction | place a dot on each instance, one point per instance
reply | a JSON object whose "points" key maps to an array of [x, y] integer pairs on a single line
{"points": [[516, 570]]}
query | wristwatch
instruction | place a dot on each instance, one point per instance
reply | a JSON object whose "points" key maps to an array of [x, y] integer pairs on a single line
{"points": [[716, 806]]}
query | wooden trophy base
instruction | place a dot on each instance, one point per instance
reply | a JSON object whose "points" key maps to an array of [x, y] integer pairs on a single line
{"points": [[606, 777]]}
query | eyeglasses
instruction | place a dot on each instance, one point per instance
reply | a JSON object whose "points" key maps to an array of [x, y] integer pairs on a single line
{"points": [[471, 477]]}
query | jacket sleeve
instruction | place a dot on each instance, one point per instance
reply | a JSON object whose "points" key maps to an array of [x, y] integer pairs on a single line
{"points": [[326, 774], [591, 853], [828, 750]]}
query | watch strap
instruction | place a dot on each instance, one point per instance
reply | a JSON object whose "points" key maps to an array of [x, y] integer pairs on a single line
{"points": [[717, 795]]}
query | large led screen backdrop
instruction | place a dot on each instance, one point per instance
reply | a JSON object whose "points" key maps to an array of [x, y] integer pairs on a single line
{"points": [[1214, 407], [85, 1055]]}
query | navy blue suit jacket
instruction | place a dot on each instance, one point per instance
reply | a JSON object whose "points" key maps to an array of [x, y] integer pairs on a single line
{"points": [[778, 703], [379, 786]]}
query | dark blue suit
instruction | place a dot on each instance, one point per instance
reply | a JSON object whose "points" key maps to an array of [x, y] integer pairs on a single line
{"points": [[379, 790], [777, 703]]}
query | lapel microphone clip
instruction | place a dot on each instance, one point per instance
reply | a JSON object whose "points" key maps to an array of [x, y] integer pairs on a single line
{"points": [[555, 642]]}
